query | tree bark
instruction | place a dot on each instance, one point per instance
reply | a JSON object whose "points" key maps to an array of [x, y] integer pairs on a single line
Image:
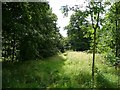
{"points": [[116, 39], [94, 49]]}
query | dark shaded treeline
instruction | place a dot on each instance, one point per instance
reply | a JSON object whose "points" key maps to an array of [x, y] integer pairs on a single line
{"points": [[29, 31]]}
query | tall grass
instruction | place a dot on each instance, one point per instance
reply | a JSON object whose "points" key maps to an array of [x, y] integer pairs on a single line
{"points": [[67, 70]]}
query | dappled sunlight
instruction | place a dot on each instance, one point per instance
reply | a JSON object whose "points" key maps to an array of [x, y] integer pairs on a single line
{"points": [[36, 54], [78, 56], [70, 69]]}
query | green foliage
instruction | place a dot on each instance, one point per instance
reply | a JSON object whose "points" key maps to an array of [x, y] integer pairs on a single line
{"points": [[108, 35], [71, 71], [29, 31], [110, 56], [77, 32]]}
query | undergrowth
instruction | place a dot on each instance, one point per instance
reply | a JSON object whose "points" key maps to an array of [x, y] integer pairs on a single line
{"points": [[68, 70]]}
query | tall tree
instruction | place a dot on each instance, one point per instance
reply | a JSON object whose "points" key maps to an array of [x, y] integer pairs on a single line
{"points": [[94, 11], [117, 31], [77, 30], [108, 35], [29, 31]]}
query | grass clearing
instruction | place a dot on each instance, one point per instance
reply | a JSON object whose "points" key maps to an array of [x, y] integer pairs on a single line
{"points": [[67, 70]]}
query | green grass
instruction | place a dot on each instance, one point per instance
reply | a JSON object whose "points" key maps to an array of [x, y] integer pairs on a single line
{"points": [[67, 70]]}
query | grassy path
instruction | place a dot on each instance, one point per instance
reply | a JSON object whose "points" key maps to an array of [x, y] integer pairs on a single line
{"points": [[71, 69]]}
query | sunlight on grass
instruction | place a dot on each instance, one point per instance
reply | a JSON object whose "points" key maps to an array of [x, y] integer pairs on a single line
{"points": [[67, 70]]}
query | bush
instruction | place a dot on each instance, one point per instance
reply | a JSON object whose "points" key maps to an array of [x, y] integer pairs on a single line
{"points": [[110, 57]]}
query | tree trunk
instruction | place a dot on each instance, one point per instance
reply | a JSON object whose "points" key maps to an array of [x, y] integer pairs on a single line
{"points": [[116, 42], [13, 51], [94, 47], [116, 39]]}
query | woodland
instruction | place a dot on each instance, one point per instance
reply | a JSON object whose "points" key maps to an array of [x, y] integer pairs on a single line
{"points": [[36, 55]]}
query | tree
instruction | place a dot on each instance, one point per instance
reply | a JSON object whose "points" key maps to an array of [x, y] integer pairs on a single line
{"points": [[94, 9], [77, 30], [108, 35], [117, 31], [30, 31]]}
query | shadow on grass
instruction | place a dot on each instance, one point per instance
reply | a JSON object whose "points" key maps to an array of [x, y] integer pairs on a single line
{"points": [[84, 79], [48, 73], [103, 82], [31, 74]]}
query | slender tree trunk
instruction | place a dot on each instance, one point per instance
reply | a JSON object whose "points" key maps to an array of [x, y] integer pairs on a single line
{"points": [[5, 56], [94, 26], [116, 39], [94, 47], [116, 42], [13, 51]]}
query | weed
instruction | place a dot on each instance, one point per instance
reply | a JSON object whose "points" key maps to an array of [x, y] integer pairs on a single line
{"points": [[71, 70]]}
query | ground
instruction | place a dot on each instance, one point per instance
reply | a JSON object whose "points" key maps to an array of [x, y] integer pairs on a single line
{"points": [[67, 70]]}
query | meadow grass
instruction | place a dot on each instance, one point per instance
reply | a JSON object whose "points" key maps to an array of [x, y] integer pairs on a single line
{"points": [[67, 70]]}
